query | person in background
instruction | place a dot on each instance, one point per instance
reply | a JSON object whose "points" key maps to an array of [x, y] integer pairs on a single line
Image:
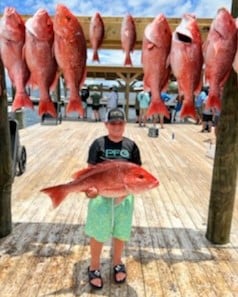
{"points": [[137, 107], [84, 95], [110, 217], [95, 96], [165, 97], [199, 105], [144, 101], [207, 116], [112, 99], [178, 106]]}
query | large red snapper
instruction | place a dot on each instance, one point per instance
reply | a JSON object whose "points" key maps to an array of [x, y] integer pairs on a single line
{"points": [[40, 58], [155, 59], [110, 178], [186, 61], [219, 52], [128, 37], [96, 34], [71, 54], [12, 39]]}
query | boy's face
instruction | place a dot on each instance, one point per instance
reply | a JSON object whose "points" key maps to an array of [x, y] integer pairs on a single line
{"points": [[115, 128]]}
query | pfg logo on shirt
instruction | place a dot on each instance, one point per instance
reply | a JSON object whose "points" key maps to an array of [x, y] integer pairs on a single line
{"points": [[114, 154]]}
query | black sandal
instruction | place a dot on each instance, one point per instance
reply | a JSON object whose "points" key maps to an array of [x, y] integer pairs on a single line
{"points": [[117, 269], [93, 274]]}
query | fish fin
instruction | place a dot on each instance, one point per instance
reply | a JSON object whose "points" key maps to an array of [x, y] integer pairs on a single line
{"points": [[22, 100], [95, 56], [188, 110], [56, 193], [158, 107], [100, 167], [81, 172], [47, 106], [128, 60], [213, 101], [75, 105]]}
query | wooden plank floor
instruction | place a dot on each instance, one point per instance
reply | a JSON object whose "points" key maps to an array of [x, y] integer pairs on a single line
{"points": [[47, 253]]}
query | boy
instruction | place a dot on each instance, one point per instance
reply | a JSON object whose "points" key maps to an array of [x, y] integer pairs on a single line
{"points": [[103, 213]]}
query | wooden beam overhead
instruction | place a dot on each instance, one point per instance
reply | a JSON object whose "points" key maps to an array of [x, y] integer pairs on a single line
{"points": [[113, 29]]}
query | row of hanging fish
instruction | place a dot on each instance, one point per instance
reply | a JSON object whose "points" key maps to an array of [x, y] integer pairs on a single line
{"points": [[34, 51], [183, 53]]}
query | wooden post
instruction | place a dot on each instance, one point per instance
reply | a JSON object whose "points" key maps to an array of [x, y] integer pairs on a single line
{"points": [[225, 168], [224, 178], [5, 161]]}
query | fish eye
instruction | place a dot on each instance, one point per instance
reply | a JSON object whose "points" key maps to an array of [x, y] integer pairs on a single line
{"points": [[140, 176], [68, 18]]}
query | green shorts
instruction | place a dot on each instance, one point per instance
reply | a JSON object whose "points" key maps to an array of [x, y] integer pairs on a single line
{"points": [[105, 220]]}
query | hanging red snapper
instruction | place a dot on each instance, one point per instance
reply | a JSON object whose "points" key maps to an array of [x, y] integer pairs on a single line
{"points": [[71, 54], [110, 178], [128, 37], [155, 59], [96, 34], [40, 58], [219, 52], [12, 39], [186, 62]]}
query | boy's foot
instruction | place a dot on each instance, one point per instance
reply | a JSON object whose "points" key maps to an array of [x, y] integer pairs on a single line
{"points": [[119, 273], [95, 279]]}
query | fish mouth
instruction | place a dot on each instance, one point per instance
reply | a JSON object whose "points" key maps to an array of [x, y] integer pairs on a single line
{"points": [[9, 11], [183, 37], [153, 185]]}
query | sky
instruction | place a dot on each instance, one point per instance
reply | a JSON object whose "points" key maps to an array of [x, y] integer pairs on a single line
{"points": [[137, 8]]}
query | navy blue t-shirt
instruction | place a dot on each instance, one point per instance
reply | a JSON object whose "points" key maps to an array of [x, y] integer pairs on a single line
{"points": [[103, 149]]}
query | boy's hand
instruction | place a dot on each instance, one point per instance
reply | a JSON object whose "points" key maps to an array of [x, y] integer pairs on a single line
{"points": [[92, 192], [119, 199]]}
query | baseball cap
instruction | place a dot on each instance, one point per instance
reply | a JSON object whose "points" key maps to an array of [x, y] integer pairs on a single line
{"points": [[115, 114]]}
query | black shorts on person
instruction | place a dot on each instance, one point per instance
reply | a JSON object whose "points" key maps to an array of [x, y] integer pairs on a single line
{"points": [[207, 117], [95, 107]]}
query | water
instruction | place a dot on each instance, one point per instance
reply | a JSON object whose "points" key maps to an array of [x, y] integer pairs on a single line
{"points": [[31, 117]]}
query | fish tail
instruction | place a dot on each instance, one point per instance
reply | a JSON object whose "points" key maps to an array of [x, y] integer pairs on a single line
{"points": [[128, 60], [75, 105], [57, 194], [188, 110], [22, 100], [213, 101], [47, 106], [95, 56], [158, 107]]}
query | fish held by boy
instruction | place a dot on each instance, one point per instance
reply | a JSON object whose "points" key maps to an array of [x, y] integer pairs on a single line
{"points": [[109, 178]]}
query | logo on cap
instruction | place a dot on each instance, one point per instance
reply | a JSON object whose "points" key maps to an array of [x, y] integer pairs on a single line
{"points": [[115, 115]]}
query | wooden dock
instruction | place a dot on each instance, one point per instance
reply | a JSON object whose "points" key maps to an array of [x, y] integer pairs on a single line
{"points": [[47, 253]]}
